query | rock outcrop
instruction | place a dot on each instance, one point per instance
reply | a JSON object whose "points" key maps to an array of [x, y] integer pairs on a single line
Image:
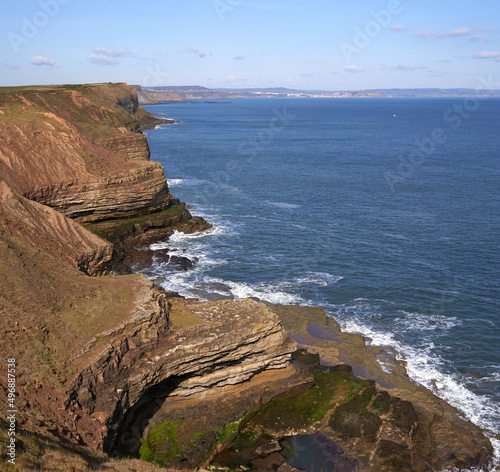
{"points": [[210, 345], [80, 150], [385, 422], [50, 230]]}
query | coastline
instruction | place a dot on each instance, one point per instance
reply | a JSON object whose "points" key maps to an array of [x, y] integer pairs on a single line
{"points": [[109, 373], [246, 288]]}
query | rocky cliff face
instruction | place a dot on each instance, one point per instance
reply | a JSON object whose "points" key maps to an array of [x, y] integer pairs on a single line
{"points": [[210, 345], [48, 229], [81, 151], [93, 352]]}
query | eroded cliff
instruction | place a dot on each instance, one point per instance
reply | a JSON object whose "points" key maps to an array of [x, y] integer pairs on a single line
{"points": [[92, 352], [81, 151], [115, 364]]}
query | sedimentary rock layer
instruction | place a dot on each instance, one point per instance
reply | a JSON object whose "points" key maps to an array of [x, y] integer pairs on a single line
{"points": [[48, 229], [211, 345], [80, 150]]}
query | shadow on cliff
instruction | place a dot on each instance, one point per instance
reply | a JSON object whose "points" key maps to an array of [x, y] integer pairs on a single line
{"points": [[126, 440]]}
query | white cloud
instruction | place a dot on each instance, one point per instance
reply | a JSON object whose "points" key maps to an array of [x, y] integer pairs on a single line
{"points": [[113, 52], [430, 33], [289, 81], [107, 57], [406, 68], [43, 61], [398, 28], [231, 78], [238, 57], [487, 55], [198, 52], [478, 39], [103, 60], [463, 31], [353, 69]]}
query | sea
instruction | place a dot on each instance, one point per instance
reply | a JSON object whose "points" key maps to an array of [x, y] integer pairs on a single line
{"points": [[383, 211]]}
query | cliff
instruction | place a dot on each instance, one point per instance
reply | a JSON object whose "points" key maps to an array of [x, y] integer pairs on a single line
{"points": [[90, 352], [115, 365], [50, 230], [148, 97], [80, 150]]}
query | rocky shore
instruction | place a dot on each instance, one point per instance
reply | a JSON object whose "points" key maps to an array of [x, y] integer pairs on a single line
{"points": [[110, 368]]}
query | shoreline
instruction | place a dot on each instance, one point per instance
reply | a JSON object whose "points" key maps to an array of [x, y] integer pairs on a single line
{"points": [[119, 347], [389, 355], [392, 353]]}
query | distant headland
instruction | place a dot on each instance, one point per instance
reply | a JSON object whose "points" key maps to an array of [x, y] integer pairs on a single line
{"points": [[154, 95]]}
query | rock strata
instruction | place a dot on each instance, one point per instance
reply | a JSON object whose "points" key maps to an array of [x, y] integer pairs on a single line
{"points": [[80, 150], [48, 229], [211, 345]]}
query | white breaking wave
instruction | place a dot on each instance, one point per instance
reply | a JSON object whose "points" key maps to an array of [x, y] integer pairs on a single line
{"points": [[287, 206], [426, 322], [179, 237], [320, 278], [267, 292], [426, 367], [175, 182]]}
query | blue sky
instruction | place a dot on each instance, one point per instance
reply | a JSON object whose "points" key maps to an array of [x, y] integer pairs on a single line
{"points": [[320, 44]]}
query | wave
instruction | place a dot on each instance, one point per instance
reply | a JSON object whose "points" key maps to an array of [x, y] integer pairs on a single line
{"points": [[165, 125], [426, 322], [320, 278], [423, 362], [284, 292], [287, 206], [271, 293], [186, 182]]}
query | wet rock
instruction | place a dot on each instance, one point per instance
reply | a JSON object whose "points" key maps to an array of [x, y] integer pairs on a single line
{"points": [[270, 462], [395, 457], [181, 262], [306, 358], [268, 448], [353, 420]]}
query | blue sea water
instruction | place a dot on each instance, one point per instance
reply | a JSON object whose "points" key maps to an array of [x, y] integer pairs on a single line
{"points": [[383, 211]]}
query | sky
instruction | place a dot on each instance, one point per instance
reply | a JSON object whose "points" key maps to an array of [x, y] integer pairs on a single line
{"points": [[314, 45]]}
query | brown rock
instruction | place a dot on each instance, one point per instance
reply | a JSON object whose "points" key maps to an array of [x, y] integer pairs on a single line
{"points": [[48, 229], [80, 151]]}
